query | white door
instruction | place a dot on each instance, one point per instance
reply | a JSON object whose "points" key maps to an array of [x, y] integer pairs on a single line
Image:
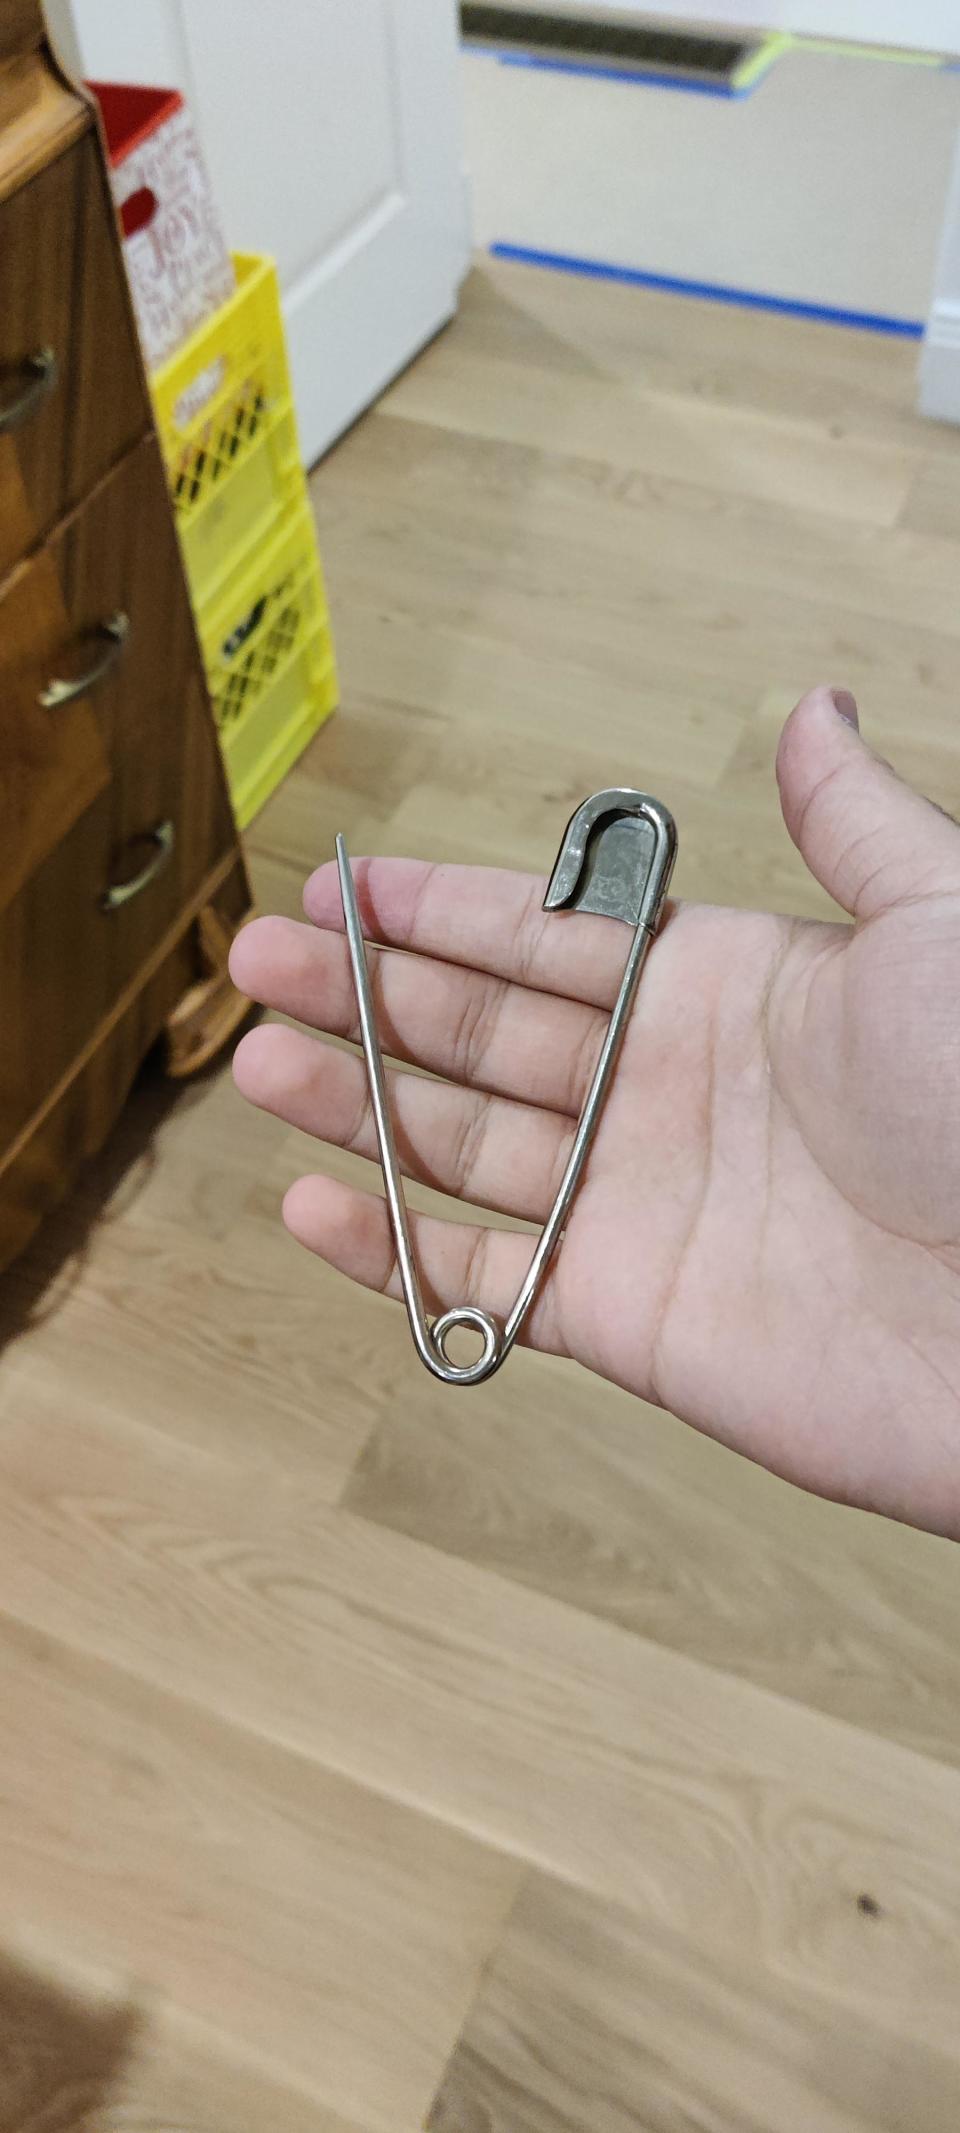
{"points": [[332, 131]]}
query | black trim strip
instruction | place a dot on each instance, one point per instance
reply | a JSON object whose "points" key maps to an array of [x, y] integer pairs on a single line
{"points": [[675, 51]]}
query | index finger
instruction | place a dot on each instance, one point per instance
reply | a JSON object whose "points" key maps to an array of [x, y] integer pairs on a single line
{"points": [[485, 917]]}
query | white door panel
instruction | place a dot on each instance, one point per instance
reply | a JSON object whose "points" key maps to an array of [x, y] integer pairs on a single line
{"points": [[341, 155], [333, 134], [323, 101]]}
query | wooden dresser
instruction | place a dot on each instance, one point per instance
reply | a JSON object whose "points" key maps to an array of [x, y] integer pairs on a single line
{"points": [[122, 878]]}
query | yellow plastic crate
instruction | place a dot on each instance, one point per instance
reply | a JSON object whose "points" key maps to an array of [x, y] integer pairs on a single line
{"points": [[228, 430], [269, 657]]}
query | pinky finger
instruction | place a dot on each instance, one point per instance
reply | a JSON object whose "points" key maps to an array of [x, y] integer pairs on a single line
{"points": [[459, 1262]]}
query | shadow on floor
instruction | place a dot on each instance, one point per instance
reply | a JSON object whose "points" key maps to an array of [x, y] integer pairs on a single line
{"points": [[62, 2058], [33, 1286]]}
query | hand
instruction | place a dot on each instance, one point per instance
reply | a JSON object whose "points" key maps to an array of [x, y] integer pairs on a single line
{"points": [[767, 1237]]}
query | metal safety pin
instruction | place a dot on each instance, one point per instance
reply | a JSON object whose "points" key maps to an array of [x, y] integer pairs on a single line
{"points": [[616, 859]]}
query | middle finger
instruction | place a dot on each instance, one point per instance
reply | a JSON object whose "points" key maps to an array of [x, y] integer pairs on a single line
{"points": [[464, 1024]]}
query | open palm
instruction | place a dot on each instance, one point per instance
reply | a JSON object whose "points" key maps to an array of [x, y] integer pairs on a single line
{"points": [[767, 1236]]}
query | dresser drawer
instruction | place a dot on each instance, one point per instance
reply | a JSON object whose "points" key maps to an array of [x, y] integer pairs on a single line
{"points": [[96, 904], [53, 760], [53, 972], [72, 395], [100, 683]]}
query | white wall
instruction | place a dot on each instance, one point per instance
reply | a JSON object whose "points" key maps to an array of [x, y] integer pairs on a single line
{"points": [[139, 41]]}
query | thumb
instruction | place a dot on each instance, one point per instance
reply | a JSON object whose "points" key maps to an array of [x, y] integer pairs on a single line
{"points": [[866, 836]]}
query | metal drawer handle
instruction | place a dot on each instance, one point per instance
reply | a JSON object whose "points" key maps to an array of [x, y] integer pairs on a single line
{"points": [[41, 368], [113, 633], [163, 839]]}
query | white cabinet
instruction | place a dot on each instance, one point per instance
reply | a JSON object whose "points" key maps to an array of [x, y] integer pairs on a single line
{"points": [[332, 130]]}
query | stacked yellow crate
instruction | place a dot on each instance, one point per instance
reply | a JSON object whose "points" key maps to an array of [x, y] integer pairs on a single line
{"points": [[228, 430]]}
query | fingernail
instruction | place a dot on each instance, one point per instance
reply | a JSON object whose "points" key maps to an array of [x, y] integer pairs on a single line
{"points": [[847, 706]]}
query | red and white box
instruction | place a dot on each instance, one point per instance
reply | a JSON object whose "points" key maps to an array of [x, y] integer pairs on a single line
{"points": [[177, 259]]}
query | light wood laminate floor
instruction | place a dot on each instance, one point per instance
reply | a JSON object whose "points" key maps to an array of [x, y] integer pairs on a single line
{"points": [[374, 1758]]}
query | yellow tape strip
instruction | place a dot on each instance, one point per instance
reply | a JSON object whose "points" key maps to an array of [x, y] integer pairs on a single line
{"points": [[781, 41], [850, 50], [753, 69]]}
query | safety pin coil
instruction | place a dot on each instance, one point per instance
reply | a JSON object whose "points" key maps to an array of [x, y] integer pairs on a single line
{"points": [[616, 859]]}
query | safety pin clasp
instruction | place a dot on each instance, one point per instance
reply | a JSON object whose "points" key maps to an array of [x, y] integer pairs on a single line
{"points": [[615, 859]]}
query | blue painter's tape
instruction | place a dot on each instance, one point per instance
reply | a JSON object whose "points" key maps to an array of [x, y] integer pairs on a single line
{"points": [[639, 76], [711, 292]]}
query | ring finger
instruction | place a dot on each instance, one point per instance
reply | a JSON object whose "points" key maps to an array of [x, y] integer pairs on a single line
{"points": [[498, 1154]]}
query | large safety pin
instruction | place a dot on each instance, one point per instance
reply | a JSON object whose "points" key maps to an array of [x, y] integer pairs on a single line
{"points": [[616, 859]]}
